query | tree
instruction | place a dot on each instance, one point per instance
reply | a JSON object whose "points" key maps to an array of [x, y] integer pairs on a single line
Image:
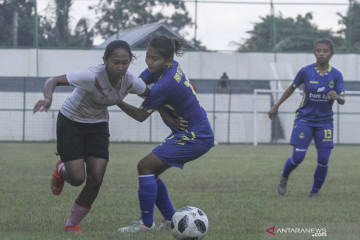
{"points": [[351, 28], [291, 34], [17, 23], [117, 15], [55, 29]]}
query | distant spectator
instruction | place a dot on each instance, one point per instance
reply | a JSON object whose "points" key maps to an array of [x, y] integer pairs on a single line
{"points": [[224, 83]]}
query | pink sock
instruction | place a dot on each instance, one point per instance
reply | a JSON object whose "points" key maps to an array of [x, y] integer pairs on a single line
{"points": [[78, 212], [59, 168]]}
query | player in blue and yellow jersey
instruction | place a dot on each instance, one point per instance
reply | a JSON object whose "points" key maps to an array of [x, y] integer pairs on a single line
{"points": [[323, 84], [172, 95]]}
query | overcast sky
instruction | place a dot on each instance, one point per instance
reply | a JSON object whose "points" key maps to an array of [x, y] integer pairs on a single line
{"points": [[226, 21]]}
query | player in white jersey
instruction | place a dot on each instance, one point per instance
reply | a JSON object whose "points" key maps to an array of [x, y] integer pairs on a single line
{"points": [[82, 124]]}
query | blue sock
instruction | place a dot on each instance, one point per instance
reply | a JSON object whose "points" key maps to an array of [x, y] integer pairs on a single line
{"points": [[319, 177], [163, 202], [293, 161], [289, 166], [147, 196], [321, 169]]}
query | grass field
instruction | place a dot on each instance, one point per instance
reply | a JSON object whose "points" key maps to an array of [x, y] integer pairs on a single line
{"points": [[235, 185]]}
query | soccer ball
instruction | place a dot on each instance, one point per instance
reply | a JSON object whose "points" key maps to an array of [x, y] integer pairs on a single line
{"points": [[189, 223]]}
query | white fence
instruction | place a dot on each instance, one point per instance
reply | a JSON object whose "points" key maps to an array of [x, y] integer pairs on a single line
{"points": [[346, 117], [235, 118]]}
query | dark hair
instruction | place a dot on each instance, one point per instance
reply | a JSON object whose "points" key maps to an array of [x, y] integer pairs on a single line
{"points": [[168, 46], [112, 46], [326, 41]]}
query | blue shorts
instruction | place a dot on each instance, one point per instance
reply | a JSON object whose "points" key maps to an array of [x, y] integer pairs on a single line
{"points": [[304, 132], [176, 151]]}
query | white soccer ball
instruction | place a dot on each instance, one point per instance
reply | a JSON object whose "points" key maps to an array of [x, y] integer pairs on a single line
{"points": [[189, 223]]}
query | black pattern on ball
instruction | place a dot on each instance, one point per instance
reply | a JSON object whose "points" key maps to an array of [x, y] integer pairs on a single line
{"points": [[200, 212], [200, 225], [183, 224]]}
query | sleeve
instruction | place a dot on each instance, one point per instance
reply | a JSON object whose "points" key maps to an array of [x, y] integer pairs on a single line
{"points": [[156, 98], [136, 85], [84, 79], [147, 77], [340, 87], [299, 79]]}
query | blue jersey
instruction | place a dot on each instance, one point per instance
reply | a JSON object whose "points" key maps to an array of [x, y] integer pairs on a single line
{"points": [[173, 91], [316, 107]]}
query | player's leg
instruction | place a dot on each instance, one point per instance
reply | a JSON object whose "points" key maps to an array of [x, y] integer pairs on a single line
{"points": [[163, 203], [300, 139], [95, 168], [177, 152], [323, 155], [324, 143], [95, 139], [70, 167], [149, 167]]}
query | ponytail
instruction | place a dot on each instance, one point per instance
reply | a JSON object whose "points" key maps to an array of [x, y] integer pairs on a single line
{"points": [[168, 47]]}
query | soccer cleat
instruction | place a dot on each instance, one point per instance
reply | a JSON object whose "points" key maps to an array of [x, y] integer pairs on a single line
{"points": [[281, 187], [57, 182], [165, 225], [74, 229], [138, 226], [314, 195]]}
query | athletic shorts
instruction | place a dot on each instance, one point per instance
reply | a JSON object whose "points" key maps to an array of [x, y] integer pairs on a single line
{"points": [[303, 133], [175, 151], [80, 140]]}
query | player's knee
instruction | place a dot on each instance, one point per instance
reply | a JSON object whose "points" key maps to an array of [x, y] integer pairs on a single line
{"points": [[323, 162], [298, 155], [323, 156], [144, 168], [76, 180], [94, 181], [141, 168]]}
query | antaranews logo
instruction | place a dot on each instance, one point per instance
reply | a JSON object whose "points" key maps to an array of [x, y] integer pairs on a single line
{"points": [[313, 232], [271, 230]]}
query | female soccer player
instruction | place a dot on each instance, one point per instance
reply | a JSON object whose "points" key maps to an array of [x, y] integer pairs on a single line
{"points": [[174, 93], [82, 124], [314, 118]]}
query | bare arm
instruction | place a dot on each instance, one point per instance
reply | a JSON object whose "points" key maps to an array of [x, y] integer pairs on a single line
{"points": [[134, 112], [48, 90], [274, 110], [339, 98], [145, 93]]}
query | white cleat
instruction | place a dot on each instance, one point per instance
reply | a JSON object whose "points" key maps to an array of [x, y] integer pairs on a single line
{"points": [[138, 226], [165, 225]]}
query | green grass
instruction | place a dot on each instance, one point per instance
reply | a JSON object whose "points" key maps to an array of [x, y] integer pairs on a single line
{"points": [[235, 185]]}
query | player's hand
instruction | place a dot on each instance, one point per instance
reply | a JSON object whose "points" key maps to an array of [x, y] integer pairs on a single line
{"points": [[333, 95], [42, 105], [272, 113], [181, 124]]}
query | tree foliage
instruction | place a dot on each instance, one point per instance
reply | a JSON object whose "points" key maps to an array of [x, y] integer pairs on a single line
{"points": [[16, 16], [55, 31], [288, 34], [351, 22], [118, 15]]}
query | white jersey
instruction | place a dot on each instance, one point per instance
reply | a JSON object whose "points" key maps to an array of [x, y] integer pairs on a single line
{"points": [[93, 93]]}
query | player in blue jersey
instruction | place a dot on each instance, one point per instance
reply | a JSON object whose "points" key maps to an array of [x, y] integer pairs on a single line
{"points": [[172, 93], [323, 85]]}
